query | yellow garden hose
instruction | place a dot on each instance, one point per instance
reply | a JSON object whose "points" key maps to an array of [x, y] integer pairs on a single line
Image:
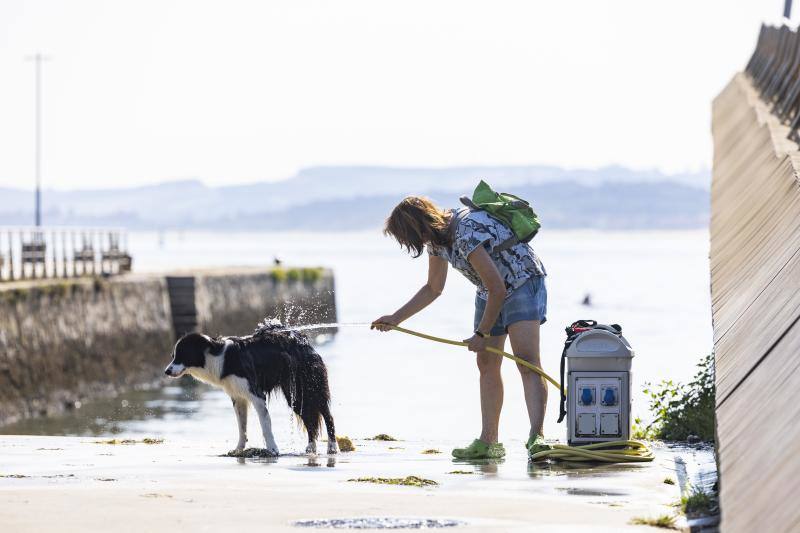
{"points": [[514, 358], [619, 451]]}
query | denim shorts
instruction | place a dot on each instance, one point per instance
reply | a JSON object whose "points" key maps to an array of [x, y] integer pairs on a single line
{"points": [[527, 302]]}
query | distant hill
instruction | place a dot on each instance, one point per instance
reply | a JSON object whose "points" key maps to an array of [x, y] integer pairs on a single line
{"points": [[349, 198]]}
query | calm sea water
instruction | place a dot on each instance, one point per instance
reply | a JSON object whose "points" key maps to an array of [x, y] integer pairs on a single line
{"points": [[653, 283]]}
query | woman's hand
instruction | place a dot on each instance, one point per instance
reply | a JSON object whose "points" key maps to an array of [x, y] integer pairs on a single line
{"points": [[383, 323], [476, 343]]}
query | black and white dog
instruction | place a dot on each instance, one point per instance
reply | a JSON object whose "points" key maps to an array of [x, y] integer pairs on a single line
{"points": [[249, 368]]}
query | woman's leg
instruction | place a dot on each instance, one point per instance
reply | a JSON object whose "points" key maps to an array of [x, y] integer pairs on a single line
{"points": [[524, 337], [491, 389]]}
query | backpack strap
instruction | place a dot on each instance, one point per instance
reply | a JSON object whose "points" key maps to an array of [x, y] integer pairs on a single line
{"points": [[458, 214], [506, 244], [467, 201]]}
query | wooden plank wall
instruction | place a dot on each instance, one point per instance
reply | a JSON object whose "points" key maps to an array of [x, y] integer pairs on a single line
{"points": [[755, 293]]}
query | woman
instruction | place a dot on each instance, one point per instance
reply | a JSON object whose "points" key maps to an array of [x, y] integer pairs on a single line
{"points": [[511, 301]]}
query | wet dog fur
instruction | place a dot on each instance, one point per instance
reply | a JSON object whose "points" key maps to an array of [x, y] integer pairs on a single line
{"points": [[250, 368]]}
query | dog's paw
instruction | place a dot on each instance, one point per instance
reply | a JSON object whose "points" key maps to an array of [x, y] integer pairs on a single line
{"points": [[272, 450], [237, 452], [332, 448], [311, 448]]}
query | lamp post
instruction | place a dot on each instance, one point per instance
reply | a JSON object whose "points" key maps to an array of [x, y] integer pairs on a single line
{"points": [[38, 59]]}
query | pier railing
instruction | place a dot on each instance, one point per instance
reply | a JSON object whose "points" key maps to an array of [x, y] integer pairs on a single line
{"points": [[774, 70], [61, 252]]}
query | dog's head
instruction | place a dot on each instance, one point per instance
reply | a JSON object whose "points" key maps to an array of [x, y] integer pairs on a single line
{"points": [[190, 352]]}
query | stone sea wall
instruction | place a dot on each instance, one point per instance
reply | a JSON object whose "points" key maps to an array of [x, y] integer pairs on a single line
{"points": [[64, 341], [233, 303]]}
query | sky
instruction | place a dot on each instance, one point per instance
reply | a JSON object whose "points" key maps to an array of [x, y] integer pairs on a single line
{"points": [[138, 92]]}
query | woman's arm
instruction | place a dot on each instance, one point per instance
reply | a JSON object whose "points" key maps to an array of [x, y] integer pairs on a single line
{"points": [[486, 269], [437, 275]]}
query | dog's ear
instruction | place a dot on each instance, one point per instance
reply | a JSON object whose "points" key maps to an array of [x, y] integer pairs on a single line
{"points": [[215, 345]]}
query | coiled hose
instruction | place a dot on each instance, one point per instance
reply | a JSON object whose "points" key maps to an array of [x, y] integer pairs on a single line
{"points": [[620, 451]]}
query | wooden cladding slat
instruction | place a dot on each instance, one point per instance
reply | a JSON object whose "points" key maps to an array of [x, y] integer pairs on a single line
{"points": [[758, 445], [755, 293]]}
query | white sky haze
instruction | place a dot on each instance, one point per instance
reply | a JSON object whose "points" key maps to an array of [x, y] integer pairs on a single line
{"points": [[232, 91]]}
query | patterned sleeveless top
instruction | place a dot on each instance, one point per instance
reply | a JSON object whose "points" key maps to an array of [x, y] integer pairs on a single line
{"points": [[516, 265]]}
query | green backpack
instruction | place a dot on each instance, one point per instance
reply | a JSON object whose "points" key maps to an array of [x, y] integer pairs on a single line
{"points": [[511, 210]]}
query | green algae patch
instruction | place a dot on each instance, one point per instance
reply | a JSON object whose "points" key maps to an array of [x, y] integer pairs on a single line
{"points": [[384, 437], [115, 442], [408, 481], [13, 296], [312, 274], [278, 274], [664, 521], [460, 472], [308, 275], [669, 481], [431, 451], [249, 453], [345, 444]]}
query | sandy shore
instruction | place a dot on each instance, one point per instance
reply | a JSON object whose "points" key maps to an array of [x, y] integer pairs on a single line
{"points": [[77, 484]]}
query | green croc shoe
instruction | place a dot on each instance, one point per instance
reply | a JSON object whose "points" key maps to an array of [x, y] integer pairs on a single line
{"points": [[480, 450], [537, 444]]}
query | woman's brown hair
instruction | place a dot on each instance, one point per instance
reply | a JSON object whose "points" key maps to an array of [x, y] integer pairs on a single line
{"points": [[415, 222]]}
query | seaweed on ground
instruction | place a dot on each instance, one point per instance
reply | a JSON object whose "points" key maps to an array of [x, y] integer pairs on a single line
{"points": [[115, 441], [430, 451], [669, 481], [146, 440], [383, 437], [51, 476], [408, 481], [664, 521], [249, 453], [345, 444], [461, 472]]}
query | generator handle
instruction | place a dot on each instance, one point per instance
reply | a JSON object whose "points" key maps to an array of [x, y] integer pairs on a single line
{"points": [[562, 410]]}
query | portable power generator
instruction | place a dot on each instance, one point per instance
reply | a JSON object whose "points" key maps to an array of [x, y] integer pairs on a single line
{"points": [[596, 394]]}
